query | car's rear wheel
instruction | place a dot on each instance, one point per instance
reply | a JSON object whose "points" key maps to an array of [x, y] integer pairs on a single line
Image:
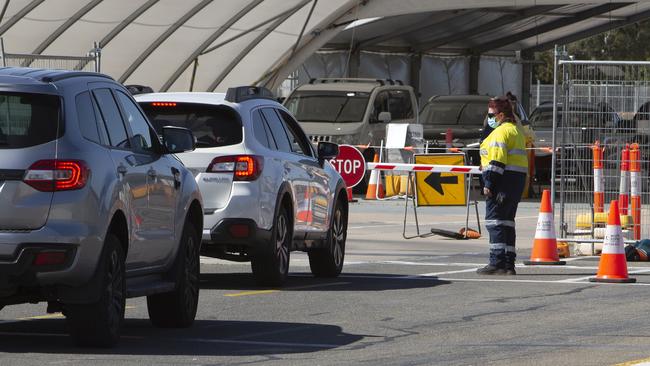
{"points": [[99, 324], [270, 263], [177, 309], [328, 261]]}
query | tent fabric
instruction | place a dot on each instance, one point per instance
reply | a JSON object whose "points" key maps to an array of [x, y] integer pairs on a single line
{"points": [[162, 43]]}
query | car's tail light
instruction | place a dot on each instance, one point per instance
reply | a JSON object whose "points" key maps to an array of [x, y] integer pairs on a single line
{"points": [[49, 258], [57, 175], [244, 167]]}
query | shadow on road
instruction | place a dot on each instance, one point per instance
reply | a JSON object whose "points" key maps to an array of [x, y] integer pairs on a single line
{"points": [[306, 282], [206, 338]]}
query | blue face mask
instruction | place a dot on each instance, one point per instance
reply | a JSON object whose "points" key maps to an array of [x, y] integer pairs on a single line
{"points": [[492, 122]]}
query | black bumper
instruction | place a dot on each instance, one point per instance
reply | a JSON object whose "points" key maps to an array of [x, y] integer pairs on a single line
{"points": [[18, 273], [223, 243]]}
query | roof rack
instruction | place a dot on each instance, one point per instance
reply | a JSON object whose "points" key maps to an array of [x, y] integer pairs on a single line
{"points": [[243, 93], [381, 82], [138, 89], [47, 75]]}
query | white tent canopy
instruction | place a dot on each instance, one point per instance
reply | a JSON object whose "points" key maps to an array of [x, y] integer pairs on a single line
{"points": [[162, 43]]}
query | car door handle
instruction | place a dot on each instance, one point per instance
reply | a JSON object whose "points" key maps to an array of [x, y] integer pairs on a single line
{"points": [[121, 170]]}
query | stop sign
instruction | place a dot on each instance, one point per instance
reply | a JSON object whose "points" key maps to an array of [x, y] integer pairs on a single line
{"points": [[350, 164]]}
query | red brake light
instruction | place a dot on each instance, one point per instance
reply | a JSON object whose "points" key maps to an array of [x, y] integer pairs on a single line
{"points": [[49, 258], [164, 104], [244, 167], [57, 175]]}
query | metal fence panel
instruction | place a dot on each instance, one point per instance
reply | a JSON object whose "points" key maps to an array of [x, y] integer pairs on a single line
{"points": [[607, 103]]}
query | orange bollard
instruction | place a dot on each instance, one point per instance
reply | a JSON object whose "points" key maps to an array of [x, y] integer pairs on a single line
{"points": [[635, 189], [545, 244], [613, 265], [599, 179], [624, 188]]}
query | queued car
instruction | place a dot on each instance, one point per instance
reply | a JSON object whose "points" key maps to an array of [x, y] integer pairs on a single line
{"points": [[464, 115], [266, 190], [95, 207], [584, 124]]}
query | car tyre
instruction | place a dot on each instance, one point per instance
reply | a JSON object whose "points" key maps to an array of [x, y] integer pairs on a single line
{"points": [[328, 261], [177, 309], [271, 264], [99, 324]]}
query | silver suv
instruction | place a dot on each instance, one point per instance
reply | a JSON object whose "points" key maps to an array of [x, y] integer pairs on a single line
{"points": [[95, 208], [266, 190]]}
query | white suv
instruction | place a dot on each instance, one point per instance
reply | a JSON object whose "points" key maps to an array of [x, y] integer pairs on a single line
{"points": [[266, 190]]}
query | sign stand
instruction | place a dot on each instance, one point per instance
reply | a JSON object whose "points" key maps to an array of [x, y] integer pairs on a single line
{"points": [[435, 181]]}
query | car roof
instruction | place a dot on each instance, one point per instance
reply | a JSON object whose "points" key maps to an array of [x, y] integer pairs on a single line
{"points": [[460, 98], [28, 75], [183, 97]]}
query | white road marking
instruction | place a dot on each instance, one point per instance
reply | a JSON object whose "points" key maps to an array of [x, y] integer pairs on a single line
{"points": [[392, 224], [579, 279], [448, 272]]}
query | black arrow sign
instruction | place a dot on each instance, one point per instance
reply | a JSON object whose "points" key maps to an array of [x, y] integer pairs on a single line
{"points": [[436, 181]]}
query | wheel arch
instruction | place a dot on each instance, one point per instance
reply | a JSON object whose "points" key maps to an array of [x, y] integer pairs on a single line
{"points": [[120, 228]]}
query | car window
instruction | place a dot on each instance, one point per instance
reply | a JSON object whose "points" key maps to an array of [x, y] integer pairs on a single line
{"points": [[143, 139], [212, 125], [277, 131], [473, 114], [260, 130], [441, 112], [380, 105], [299, 143], [110, 114], [28, 119], [327, 106], [86, 117], [399, 104], [543, 118]]}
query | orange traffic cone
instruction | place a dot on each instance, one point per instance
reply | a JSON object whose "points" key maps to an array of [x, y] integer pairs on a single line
{"points": [[613, 265], [350, 196], [545, 244], [375, 188]]}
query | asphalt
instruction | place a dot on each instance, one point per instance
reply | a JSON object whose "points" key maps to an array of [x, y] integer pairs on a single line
{"points": [[398, 302]]}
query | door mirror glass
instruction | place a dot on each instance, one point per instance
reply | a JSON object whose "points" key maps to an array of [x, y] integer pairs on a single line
{"points": [[385, 117], [178, 139], [327, 151]]}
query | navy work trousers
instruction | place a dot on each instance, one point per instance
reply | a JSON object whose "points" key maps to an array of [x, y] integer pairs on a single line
{"points": [[500, 218]]}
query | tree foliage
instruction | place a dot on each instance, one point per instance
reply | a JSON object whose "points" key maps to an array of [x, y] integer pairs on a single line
{"points": [[629, 43]]}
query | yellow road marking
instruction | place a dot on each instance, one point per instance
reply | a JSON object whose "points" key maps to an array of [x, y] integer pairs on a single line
{"points": [[247, 293], [48, 316], [262, 292]]}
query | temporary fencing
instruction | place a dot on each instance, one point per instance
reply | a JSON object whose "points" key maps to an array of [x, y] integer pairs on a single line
{"points": [[88, 62], [602, 139]]}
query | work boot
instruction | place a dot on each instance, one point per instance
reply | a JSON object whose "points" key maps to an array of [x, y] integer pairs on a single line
{"points": [[510, 263], [490, 270]]}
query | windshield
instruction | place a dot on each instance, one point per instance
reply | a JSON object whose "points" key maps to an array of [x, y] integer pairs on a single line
{"points": [[328, 106], [212, 126], [28, 120], [441, 113], [474, 114]]}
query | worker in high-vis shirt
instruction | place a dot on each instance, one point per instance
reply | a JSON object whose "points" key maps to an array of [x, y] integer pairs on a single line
{"points": [[504, 164]]}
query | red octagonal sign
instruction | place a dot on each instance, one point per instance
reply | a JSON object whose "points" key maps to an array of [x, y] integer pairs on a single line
{"points": [[351, 164]]}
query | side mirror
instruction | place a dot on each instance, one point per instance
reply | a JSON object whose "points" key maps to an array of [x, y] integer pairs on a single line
{"points": [[178, 139], [327, 151], [385, 117]]}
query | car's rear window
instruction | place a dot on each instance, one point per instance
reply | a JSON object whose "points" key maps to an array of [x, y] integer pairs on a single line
{"points": [[28, 119], [212, 125]]}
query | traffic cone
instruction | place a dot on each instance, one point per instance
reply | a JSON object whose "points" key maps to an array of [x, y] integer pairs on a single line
{"points": [[545, 244], [304, 211], [613, 265], [374, 183]]}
